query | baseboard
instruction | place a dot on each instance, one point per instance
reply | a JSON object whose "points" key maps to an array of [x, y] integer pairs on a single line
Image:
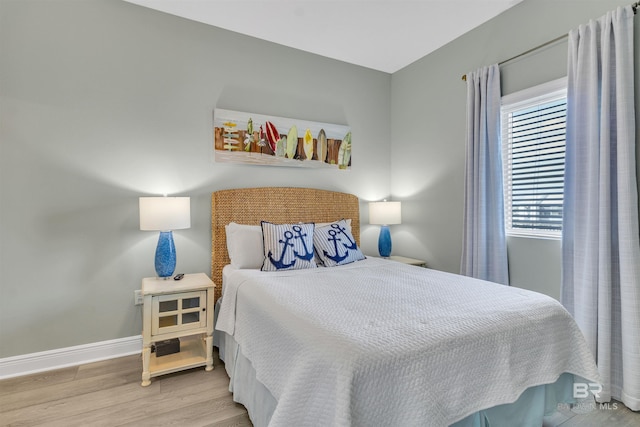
{"points": [[70, 356]]}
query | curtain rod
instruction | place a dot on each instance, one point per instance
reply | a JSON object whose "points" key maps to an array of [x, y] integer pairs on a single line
{"points": [[634, 7]]}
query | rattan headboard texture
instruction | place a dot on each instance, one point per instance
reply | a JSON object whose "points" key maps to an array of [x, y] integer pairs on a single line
{"points": [[274, 204]]}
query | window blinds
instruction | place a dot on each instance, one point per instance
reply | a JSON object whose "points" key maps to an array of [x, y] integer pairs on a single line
{"points": [[534, 160]]}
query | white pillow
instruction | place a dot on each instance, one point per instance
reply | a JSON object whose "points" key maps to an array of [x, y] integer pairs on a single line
{"points": [[244, 245]]}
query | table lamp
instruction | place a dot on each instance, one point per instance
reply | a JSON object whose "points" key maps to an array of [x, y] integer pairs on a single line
{"points": [[384, 214], [165, 214]]}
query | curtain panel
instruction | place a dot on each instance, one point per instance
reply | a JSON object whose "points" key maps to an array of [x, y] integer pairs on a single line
{"points": [[600, 239], [484, 251]]}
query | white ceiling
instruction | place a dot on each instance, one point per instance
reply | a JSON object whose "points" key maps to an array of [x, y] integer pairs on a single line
{"points": [[384, 35]]}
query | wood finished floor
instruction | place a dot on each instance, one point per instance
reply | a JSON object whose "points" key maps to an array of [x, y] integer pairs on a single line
{"points": [[108, 393]]}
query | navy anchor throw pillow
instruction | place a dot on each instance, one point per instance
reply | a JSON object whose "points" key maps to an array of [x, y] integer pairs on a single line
{"points": [[335, 245], [287, 246]]}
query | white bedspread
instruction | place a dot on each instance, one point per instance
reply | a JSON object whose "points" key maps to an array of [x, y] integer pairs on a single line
{"points": [[378, 343]]}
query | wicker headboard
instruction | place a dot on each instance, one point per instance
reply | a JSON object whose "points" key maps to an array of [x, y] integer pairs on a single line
{"points": [[278, 205]]}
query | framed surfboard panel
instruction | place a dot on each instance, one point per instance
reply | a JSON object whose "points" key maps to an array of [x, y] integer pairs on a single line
{"points": [[258, 139]]}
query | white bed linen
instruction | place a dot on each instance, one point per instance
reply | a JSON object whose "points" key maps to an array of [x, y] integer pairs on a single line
{"points": [[528, 411], [382, 343]]}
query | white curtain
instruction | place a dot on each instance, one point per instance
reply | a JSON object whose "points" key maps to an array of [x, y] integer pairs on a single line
{"points": [[600, 238], [484, 251]]}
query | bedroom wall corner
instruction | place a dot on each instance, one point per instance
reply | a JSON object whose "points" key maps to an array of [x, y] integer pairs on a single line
{"points": [[428, 122]]}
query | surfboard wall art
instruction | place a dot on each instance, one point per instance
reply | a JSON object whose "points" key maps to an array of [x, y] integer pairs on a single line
{"points": [[258, 139]]}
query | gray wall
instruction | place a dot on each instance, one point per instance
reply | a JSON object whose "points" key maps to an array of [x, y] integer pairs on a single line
{"points": [[428, 128], [103, 101]]}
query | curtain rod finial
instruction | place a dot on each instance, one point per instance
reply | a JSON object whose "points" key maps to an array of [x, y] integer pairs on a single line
{"points": [[464, 77]]}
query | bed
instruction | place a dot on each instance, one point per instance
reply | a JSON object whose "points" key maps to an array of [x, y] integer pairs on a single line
{"points": [[376, 342]]}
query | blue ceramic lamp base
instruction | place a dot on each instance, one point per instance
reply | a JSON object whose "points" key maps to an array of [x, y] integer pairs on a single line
{"points": [[384, 242], [165, 255]]}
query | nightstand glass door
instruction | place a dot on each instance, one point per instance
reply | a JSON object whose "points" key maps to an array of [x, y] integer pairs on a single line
{"points": [[179, 312]]}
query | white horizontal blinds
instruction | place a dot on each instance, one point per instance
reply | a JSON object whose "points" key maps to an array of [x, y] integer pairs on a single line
{"points": [[537, 165], [534, 150]]}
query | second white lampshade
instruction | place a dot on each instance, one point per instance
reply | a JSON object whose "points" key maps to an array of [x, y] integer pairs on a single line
{"points": [[385, 213]]}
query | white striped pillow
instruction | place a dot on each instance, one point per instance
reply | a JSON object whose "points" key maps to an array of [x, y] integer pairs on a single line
{"points": [[287, 246], [335, 245]]}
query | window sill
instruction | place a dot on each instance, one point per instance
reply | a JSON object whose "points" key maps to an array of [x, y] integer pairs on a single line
{"points": [[544, 236]]}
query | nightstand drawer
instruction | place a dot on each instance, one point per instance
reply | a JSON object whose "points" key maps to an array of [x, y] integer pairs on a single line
{"points": [[179, 312]]}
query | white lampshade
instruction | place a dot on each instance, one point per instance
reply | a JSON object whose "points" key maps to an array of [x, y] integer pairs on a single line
{"points": [[385, 213], [165, 213]]}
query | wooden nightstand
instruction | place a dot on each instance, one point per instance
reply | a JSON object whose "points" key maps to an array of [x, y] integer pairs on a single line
{"points": [[410, 261], [177, 309]]}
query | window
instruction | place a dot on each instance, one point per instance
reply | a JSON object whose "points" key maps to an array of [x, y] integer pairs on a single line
{"points": [[533, 147]]}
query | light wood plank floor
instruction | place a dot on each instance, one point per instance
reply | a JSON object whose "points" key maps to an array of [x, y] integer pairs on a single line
{"points": [[108, 393]]}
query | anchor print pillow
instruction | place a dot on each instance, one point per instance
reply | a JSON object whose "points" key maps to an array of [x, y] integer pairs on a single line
{"points": [[335, 245], [287, 246]]}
